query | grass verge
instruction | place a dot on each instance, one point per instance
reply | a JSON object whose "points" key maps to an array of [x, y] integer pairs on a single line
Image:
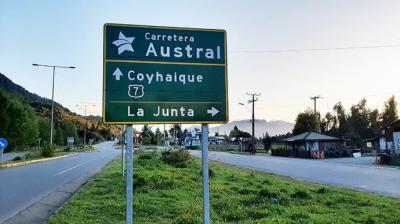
{"points": [[166, 194]]}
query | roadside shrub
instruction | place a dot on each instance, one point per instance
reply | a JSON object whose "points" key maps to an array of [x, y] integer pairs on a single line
{"points": [[48, 150], [145, 156], [178, 158], [322, 190], [301, 194], [31, 155], [17, 158], [211, 173], [138, 181], [267, 193]]}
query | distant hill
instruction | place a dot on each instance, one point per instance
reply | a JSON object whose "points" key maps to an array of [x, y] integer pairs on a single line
{"points": [[42, 106], [261, 126], [29, 97]]}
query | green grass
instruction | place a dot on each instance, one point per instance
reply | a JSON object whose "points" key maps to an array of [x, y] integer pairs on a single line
{"points": [[165, 194]]}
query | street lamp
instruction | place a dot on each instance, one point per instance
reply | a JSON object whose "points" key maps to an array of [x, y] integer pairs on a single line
{"points": [[52, 95], [84, 132]]}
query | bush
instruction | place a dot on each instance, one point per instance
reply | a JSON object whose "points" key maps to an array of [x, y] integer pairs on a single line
{"points": [[48, 150], [178, 158], [31, 155], [301, 194], [211, 173], [17, 158], [145, 156]]}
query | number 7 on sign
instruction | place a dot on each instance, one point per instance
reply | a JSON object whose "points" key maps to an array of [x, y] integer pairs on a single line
{"points": [[136, 91]]}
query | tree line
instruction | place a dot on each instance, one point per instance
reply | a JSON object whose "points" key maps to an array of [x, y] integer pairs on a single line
{"points": [[23, 127], [356, 124]]}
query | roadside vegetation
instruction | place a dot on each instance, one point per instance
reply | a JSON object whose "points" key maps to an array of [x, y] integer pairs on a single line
{"points": [[168, 190], [33, 156], [25, 120]]}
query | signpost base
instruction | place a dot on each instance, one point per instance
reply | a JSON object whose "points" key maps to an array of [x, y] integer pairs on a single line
{"points": [[204, 159], [129, 175]]}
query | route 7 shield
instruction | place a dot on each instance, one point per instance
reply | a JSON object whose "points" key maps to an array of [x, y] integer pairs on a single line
{"points": [[135, 91]]}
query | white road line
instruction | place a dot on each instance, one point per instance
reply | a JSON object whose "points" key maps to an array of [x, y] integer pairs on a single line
{"points": [[64, 171]]}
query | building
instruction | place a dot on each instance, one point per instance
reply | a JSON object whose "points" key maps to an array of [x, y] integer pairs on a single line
{"points": [[314, 145], [389, 141]]}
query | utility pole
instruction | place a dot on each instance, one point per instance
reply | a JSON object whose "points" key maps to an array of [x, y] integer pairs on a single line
{"points": [[84, 130], [252, 101], [315, 98]]}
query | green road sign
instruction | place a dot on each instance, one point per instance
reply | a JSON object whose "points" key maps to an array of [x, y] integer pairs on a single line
{"points": [[164, 75]]}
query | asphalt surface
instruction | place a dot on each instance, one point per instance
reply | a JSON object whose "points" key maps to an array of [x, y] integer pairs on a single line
{"points": [[24, 185], [357, 173]]}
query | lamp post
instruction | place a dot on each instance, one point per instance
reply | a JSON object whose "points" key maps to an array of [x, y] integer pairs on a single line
{"points": [[52, 94], [84, 130]]}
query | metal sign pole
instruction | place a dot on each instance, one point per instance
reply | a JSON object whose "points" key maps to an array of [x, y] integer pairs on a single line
{"points": [[129, 176], [122, 149], [204, 159]]}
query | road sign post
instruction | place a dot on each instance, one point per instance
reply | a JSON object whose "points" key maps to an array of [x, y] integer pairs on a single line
{"points": [[204, 163], [122, 150], [3, 146], [164, 75], [129, 175]]}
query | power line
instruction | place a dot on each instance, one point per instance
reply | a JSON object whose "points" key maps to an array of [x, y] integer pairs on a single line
{"points": [[318, 49]]}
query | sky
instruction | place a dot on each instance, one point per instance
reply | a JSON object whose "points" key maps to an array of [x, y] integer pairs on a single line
{"points": [[269, 46]]}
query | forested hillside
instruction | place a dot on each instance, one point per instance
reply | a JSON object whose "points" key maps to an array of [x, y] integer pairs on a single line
{"points": [[25, 118]]}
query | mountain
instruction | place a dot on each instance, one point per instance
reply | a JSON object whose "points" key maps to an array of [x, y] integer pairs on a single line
{"points": [[42, 107], [261, 126]]}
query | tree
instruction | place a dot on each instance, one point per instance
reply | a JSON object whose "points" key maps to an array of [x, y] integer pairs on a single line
{"points": [[389, 114], [374, 122], [359, 118], [329, 123], [158, 136], [19, 123], [267, 141], [44, 130], [176, 132], [341, 117], [147, 135], [234, 132], [305, 121], [59, 137], [69, 129]]}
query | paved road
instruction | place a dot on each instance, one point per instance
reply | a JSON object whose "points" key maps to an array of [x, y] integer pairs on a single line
{"points": [[22, 186], [356, 173]]}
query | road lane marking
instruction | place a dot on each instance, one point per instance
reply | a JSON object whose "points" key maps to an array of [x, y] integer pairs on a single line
{"points": [[76, 166]]}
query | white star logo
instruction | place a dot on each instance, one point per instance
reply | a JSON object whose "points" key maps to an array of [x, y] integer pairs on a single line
{"points": [[124, 43]]}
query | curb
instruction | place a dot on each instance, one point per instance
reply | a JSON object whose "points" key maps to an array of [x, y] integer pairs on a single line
{"points": [[7, 165]]}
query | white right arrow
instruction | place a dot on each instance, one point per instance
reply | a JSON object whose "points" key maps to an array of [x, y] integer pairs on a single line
{"points": [[212, 111], [117, 73]]}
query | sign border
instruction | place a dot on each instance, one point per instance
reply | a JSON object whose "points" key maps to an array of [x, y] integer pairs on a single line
{"points": [[165, 62]]}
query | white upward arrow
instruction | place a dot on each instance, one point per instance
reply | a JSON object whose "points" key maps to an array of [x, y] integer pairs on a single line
{"points": [[117, 73], [212, 111]]}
